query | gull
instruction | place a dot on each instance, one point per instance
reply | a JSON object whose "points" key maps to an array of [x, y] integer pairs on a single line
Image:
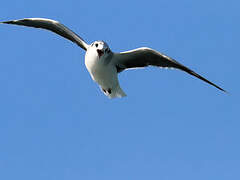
{"points": [[103, 64]]}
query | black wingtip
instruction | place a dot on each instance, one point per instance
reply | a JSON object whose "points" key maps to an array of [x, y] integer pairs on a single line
{"points": [[223, 90], [218, 87], [7, 22], [18, 22], [202, 78]]}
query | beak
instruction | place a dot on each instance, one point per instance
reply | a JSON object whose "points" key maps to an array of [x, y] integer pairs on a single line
{"points": [[100, 52]]}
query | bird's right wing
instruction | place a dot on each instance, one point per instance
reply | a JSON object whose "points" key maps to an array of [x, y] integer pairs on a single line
{"points": [[143, 57], [53, 26]]}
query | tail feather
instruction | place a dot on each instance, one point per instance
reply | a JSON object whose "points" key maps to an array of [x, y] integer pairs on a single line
{"points": [[117, 92]]}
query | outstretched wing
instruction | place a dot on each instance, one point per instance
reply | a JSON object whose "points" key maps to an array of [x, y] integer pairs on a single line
{"points": [[143, 57], [53, 26]]}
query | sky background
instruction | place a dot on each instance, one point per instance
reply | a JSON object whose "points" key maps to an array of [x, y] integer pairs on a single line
{"points": [[56, 124]]}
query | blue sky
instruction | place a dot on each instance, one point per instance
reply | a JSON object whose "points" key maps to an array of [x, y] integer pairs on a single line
{"points": [[56, 124]]}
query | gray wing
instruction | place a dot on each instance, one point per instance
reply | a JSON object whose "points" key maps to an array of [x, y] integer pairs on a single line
{"points": [[53, 26], [143, 57]]}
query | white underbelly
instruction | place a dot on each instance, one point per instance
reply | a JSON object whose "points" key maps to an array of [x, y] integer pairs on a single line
{"points": [[105, 76]]}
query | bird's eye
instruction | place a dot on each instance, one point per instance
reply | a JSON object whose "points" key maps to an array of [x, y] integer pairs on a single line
{"points": [[96, 45]]}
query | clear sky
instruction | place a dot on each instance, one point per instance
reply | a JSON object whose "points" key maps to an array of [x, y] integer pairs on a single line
{"points": [[56, 124]]}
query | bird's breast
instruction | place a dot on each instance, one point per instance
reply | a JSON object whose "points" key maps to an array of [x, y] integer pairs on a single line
{"points": [[91, 61], [104, 74]]}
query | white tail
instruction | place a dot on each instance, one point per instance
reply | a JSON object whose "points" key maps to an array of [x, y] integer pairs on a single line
{"points": [[116, 93]]}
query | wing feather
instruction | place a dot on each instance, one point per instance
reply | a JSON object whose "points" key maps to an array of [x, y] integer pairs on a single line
{"points": [[143, 57], [53, 26]]}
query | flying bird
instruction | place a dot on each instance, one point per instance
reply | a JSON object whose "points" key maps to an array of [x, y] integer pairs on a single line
{"points": [[103, 64]]}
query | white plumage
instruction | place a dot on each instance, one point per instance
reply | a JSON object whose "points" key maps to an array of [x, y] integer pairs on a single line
{"points": [[103, 64]]}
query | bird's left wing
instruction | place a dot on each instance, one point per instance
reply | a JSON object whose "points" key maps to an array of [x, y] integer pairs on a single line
{"points": [[53, 26], [143, 57]]}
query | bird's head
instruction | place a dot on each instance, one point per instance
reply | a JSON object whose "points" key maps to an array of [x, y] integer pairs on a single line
{"points": [[101, 48]]}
